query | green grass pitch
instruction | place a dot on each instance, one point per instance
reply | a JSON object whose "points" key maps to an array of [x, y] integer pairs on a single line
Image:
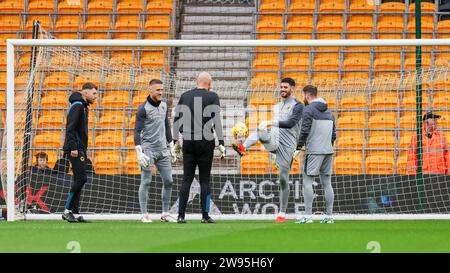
{"points": [[226, 236]]}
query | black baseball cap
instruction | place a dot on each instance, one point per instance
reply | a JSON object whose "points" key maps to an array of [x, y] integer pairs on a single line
{"points": [[429, 115]]}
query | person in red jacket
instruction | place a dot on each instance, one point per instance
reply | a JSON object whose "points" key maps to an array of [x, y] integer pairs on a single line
{"points": [[436, 152]]}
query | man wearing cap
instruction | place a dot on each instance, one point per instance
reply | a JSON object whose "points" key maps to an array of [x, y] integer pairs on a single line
{"points": [[436, 152]]}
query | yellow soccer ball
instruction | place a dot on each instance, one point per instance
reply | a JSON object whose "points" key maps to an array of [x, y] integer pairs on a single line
{"points": [[240, 131]]}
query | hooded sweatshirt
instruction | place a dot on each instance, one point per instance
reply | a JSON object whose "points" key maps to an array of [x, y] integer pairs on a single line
{"points": [[318, 131], [77, 124]]}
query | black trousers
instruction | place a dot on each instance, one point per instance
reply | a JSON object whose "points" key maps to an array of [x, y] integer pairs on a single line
{"points": [[79, 179], [196, 153]]}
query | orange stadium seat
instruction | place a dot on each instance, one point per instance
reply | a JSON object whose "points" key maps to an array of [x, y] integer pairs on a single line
{"points": [[402, 164], [272, 6], [300, 23], [130, 6], [4, 37], [389, 62], [266, 61], [296, 61], [442, 83], [129, 141], [45, 21], [70, 6], [350, 141], [12, 6], [48, 139], [441, 101], [110, 139], [303, 5], [84, 78], [409, 101], [118, 80], [270, 23], [159, 22], [131, 163], [360, 27], [264, 80], [10, 23], [300, 78], [332, 6], [390, 27], [348, 163], [354, 100], [326, 61], [424, 6], [357, 61], [98, 22], [107, 162], [380, 164], [100, 6], [352, 80], [122, 58], [139, 99], [408, 120], [381, 142], [127, 22], [352, 120], [410, 61], [152, 59], [330, 23], [362, 6], [384, 100], [255, 163], [382, 120], [393, 7], [60, 62], [329, 97], [159, 6], [116, 99], [113, 119], [325, 80], [405, 139], [56, 100], [57, 80], [68, 23], [53, 119], [47, 6]]}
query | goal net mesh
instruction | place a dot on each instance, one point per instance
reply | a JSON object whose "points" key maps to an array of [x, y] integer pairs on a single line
{"points": [[375, 162]]}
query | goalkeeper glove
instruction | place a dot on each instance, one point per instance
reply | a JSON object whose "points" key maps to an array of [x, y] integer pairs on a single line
{"points": [[222, 151], [296, 155], [177, 149], [143, 160], [173, 153]]}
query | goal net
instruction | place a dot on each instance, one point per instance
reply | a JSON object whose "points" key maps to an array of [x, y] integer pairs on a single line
{"points": [[370, 90]]}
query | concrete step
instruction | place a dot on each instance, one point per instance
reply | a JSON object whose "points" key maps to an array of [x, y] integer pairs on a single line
{"points": [[219, 9], [212, 64], [217, 28], [243, 74], [219, 56], [218, 36], [219, 19]]}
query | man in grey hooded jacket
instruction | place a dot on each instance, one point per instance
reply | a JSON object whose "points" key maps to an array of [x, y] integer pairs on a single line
{"points": [[317, 134]]}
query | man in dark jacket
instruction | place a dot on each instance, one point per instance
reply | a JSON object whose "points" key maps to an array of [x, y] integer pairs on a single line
{"points": [[75, 146], [197, 117], [318, 134]]}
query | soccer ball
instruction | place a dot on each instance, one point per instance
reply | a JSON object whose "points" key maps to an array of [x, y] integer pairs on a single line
{"points": [[240, 130]]}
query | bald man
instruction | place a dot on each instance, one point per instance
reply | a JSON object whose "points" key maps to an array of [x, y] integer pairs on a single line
{"points": [[197, 118]]}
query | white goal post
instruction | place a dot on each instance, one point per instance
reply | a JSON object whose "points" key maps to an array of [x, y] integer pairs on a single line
{"points": [[12, 44]]}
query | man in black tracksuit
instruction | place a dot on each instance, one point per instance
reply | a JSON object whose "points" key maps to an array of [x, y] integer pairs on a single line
{"points": [[197, 117], [75, 146]]}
